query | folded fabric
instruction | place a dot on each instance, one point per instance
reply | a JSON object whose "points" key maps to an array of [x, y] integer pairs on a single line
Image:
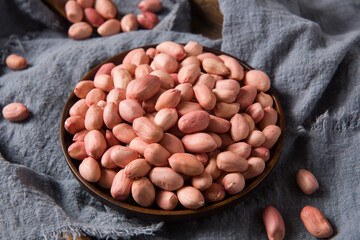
{"points": [[310, 50]]}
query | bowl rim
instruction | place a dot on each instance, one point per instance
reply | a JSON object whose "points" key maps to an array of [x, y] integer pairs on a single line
{"points": [[159, 214]]}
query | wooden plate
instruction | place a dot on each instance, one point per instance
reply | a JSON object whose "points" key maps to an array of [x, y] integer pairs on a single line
{"points": [[154, 213]]}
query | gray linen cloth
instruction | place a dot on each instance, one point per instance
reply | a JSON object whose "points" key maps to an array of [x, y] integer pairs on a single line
{"points": [[310, 49]]}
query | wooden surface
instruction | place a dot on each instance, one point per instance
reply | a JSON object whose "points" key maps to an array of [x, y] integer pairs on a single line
{"points": [[206, 17]]}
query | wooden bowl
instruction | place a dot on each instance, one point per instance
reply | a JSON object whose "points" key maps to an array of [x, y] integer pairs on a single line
{"points": [[154, 213]]}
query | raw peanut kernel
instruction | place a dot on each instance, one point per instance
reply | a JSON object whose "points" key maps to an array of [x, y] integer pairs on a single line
{"points": [[150, 5], [16, 62], [147, 20], [106, 8], [73, 11], [80, 30], [15, 112], [274, 223], [315, 222], [306, 181], [129, 23]]}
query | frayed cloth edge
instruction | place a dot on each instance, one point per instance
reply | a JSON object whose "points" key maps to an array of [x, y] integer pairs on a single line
{"points": [[78, 231]]}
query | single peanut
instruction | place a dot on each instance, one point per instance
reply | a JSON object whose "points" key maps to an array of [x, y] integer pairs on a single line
{"points": [[124, 132], [104, 82], [94, 118], [15, 112], [218, 125], [94, 96], [166, 178], [257, 79], [116, 95], [193, 48], [122, 156], [202, 181], [109, 27], [166, 200], [189, 73], [272, 134], [165, 62], [144, 88], [206, 79], [231, 162], [205, 96], [95, 144], [156, 154], [264, 99], [236, 70], [166, 118], [143, 191], [255, 138], [194, 121], [106, 8], [169, 99], [80, 30], [226, 110], [261, 152], [239, 127], [199, 142], [246, 96], [172, 48], [186, 163], [90, 170], [121, 78], [72, 124], [16, 62], [213, 66], [79, 108], [130, 109], [77, 150], [214, 193], [83, 88], [233, 182], [270, 118], [129, 23], [172, 144], [147, 20], [274, 223], [316, 222], [190, 197], [121, 186], [73, 11], [242, 149], [306, 181], [256, 167], [150, 5]]}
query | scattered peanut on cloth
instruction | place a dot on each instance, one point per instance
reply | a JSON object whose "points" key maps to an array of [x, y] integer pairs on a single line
{"points": [[173, 124], [102, 16]]}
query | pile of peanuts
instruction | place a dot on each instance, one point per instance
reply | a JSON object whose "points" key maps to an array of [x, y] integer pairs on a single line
{"points": [[101, 15], [173, 124]]}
